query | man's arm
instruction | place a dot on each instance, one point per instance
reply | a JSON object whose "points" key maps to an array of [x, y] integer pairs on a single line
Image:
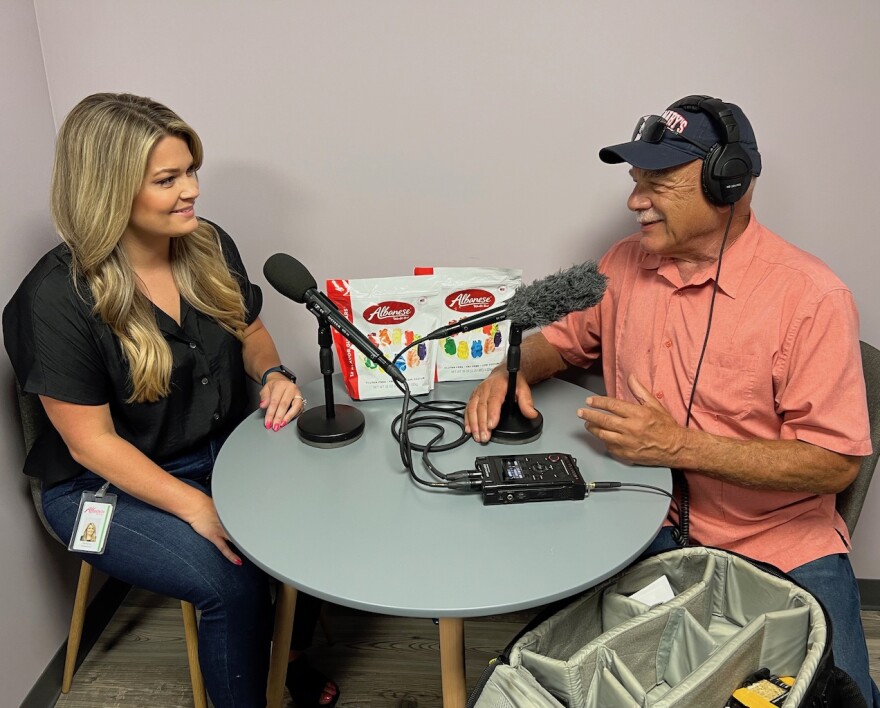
{"points": [[538, 361], [644, 433]]}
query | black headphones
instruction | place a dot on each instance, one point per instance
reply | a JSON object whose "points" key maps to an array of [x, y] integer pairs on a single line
{"points": [[727, 167]]}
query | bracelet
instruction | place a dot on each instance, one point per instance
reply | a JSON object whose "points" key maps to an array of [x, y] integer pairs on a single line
{"points": [[281, 369]]}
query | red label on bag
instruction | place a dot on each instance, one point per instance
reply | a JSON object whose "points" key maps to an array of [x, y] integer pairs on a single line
{"points": [[470, 300], [389, 312]]}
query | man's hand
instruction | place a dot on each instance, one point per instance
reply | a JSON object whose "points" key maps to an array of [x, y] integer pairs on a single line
{"points": [[642, 433], [484, 407]]}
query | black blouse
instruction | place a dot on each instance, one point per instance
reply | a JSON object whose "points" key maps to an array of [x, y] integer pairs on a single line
{"points": [[59, 349]]}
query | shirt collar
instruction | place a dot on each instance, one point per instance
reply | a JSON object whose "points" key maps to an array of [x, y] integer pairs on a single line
{"points": [[168, 326], [734, 263]]}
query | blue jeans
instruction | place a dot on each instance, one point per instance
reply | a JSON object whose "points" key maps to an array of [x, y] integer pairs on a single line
{"points": [[832, 582], [153, 549]]}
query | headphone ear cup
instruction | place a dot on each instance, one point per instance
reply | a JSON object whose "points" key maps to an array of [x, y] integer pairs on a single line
{"points": [[710, 185], [726, 173]]}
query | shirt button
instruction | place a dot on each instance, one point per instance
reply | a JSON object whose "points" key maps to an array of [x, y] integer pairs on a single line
{"points": [[667, 343], [659, 395], [192, 345], [216, 416], [205, 381]]}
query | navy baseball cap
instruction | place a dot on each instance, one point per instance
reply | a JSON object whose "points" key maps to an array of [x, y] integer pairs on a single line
{"points": [[678, 136]]}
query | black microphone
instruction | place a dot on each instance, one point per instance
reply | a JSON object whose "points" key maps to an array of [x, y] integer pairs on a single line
{"points": [[541, 303], [293, 280]]}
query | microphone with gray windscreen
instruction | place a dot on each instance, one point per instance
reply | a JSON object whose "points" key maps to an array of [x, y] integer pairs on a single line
{"points": [[540, 303]]}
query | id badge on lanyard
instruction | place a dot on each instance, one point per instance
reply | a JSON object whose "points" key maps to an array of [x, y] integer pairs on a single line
{"points": [[92, 525]]}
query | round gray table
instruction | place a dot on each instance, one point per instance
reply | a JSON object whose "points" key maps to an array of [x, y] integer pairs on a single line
{"points": [[347, 524]]}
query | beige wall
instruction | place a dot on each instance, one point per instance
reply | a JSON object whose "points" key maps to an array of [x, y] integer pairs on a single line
{"points": [[364, 138], [36, 576]]}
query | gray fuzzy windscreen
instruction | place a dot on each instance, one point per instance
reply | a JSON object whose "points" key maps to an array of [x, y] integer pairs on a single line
{"points": [[549, 299]]}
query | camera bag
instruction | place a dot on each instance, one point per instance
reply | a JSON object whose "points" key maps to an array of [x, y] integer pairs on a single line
{"points": [[729, 618]]}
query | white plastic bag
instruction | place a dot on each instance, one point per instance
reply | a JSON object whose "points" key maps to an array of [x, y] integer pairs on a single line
{"points": [[465, 292], [392, 313]]}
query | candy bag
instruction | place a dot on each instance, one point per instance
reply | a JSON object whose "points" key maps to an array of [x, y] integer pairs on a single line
{"points": [[465, 292], [392, 313]]}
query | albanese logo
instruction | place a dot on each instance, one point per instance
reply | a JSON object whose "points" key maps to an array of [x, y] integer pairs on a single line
{"points": [[470, 300], [389, 312]]}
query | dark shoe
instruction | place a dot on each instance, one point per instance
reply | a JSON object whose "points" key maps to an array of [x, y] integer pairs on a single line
{"points": [[306, 684]]}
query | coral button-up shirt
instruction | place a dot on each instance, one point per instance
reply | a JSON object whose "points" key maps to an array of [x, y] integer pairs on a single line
{"points": [[782, 362]]}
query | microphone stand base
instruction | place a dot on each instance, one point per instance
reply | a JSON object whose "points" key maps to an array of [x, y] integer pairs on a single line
{"points": [[317, 430], [515, 429]]}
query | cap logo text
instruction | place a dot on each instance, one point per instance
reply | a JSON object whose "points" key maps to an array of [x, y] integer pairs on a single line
{"points": [[676, 122]]}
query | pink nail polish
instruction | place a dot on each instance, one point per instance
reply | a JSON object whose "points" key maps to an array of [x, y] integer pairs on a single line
{"points": [[283, 423], [276, 427], [237, 561], [268, 425]]}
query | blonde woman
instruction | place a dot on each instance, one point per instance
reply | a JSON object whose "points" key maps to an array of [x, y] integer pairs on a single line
{"points": [[90, 533], [137, 333]]}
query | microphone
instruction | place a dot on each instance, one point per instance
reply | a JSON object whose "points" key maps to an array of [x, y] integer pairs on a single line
{"points": [[541, 303], [293, 280], [545, 301]]}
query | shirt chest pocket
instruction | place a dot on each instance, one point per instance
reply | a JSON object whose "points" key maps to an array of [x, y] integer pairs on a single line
{"points": [[726, 384]]}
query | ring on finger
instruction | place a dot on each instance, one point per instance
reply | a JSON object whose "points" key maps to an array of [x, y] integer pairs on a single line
{"points": [[304, 400]]}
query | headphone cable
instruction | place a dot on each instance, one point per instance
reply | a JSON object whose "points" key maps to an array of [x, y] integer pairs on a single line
{"points": [[681, 533]]}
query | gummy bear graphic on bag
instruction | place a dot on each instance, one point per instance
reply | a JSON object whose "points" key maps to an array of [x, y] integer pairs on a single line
{"points": [[465, 292], [391, 312]]}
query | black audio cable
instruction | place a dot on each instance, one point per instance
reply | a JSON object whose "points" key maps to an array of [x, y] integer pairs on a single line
{"points": [[432, 414], [608, 486], [681, 533]]}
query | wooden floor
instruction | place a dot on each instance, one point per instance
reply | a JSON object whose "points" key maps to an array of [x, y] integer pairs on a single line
{"points": [[378, 661]]}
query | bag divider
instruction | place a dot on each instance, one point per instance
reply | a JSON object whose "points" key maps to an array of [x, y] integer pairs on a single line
{"points": [[785, 645], [515, 686], [684, 647], [714, 682], [612, 685], [564, 633]]}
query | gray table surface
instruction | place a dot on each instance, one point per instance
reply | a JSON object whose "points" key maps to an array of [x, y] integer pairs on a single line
{"points": [[348, 525]]}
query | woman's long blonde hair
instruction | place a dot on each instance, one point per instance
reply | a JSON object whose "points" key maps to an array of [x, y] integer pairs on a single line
{"points": [[100, 161]]}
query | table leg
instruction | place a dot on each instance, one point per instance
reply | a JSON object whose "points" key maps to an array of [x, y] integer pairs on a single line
{"points": [[452, 662], [284, 606]]}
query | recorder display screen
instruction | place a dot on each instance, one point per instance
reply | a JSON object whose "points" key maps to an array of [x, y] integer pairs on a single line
{"points": [[512, 468]]}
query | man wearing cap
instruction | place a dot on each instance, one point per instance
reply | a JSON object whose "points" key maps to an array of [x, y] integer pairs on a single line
{"points": [[777, 422]]}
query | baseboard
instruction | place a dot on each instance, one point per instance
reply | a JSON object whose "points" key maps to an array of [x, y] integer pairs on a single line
{"points": [[870, 592], [47, 689]]}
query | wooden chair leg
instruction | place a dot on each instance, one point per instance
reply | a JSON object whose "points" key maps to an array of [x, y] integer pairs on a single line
{"points": [[191, 632], [190, 628], [76, 624], [285, 604]]}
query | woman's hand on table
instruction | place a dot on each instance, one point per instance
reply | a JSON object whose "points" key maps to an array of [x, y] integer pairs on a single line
{"points": [[282, 400]]}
